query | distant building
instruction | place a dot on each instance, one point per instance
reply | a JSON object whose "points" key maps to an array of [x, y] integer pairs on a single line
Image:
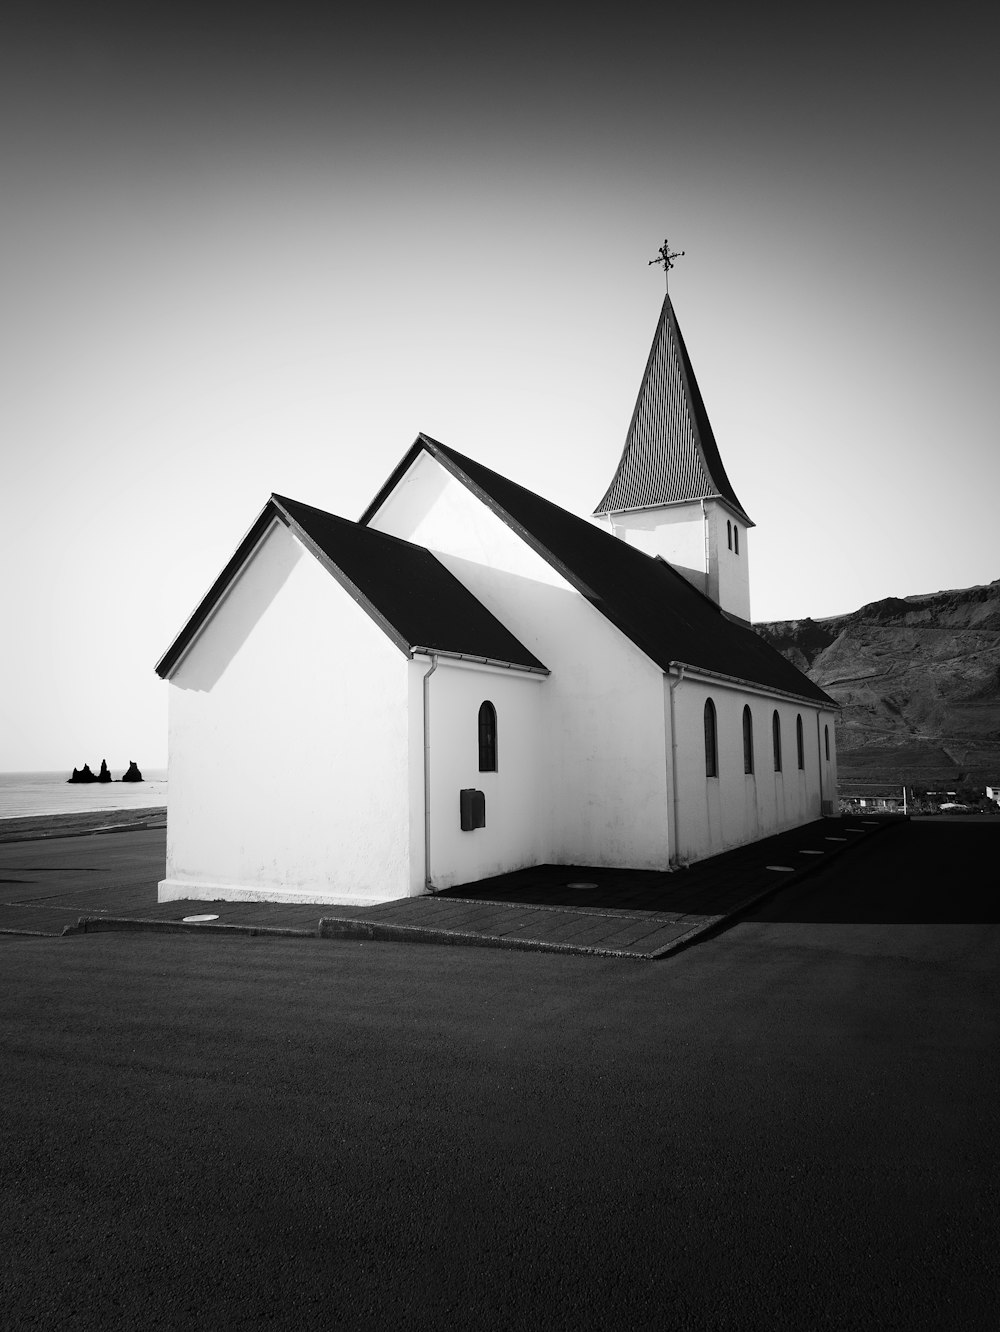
{"points": [[993, 793], [470, 679], [877, 799]]}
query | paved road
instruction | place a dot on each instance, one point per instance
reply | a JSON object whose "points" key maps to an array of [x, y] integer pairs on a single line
{"points": [[49, 883], [792, 1125]]}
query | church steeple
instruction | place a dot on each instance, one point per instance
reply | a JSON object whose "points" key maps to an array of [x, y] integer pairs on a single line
{"points": [[670, 494], [670, 452]]}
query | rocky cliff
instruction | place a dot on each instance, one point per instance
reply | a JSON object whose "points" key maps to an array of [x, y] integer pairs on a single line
{"points": [[918, 679]]}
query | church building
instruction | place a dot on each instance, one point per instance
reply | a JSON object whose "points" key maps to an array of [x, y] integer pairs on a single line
{"points": [[470, 680]]}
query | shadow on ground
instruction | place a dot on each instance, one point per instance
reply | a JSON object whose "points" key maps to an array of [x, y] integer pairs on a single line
{"points": [[921, 873]]}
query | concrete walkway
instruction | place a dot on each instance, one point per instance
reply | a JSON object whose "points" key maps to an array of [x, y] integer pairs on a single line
{"points": [[642, 914], [108, 882]]}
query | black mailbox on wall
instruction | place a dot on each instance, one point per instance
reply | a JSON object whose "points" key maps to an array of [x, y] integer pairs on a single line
{"points": [[472, 807]]}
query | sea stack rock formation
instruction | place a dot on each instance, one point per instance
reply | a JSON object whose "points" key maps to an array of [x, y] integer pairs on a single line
{"points": [[104, 775], [82, 775], [133, 774]]}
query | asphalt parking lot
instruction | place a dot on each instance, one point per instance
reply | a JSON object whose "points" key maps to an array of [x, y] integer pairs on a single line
{"points": [[80, 878], [791, 1125]]}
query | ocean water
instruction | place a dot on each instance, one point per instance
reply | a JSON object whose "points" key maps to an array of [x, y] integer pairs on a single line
{"points": [[26, 793]]}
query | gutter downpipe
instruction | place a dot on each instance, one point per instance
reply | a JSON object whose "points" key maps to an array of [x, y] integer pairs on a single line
{"points": [[428, 886], [674, 859]]}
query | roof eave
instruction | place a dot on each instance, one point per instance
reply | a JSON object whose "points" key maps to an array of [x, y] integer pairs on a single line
{"points": [[734, 509], [207, 605], [472, 657], [393, 479], [350, 587], [272, 512], [753, 686]]}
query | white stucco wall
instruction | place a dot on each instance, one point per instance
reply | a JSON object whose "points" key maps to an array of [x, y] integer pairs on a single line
{"points": [[516, 829], [602, 782], [290, 745], [717, 813], [677, 532], [729, 571], [695, 541]]}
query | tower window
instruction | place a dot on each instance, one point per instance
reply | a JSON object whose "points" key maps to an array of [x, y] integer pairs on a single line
{"points": [[826, 742], [711, 741], [747, 740], [729, 533], [487, 737], [736, 539], [800, 742], [776, 739]]}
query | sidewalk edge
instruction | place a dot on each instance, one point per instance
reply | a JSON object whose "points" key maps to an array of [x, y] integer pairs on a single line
{"points": [[719, 923], [136, 924], [332, 927]]}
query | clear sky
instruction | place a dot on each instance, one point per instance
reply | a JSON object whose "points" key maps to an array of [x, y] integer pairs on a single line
{"points": [[248, 249]]}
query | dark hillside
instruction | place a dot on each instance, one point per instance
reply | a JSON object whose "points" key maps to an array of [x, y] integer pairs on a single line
{"points": [[918, 679]]}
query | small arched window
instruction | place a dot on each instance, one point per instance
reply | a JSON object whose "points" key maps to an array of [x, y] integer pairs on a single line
{"points": [[487, 737], [747, 740], [800, 744], [776, 739], [826, 742], [711, 740], [729, 533], [736, 539]]}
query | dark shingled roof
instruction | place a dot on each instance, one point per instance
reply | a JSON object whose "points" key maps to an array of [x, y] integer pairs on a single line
{"points": [[404, 588], [653, 605], [670, 452]]}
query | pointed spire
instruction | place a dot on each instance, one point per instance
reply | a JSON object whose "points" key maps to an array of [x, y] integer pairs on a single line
{"points": [[670, 452]]}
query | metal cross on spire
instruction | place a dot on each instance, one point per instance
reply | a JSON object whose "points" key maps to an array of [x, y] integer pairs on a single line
{"points": [[666, 257]]}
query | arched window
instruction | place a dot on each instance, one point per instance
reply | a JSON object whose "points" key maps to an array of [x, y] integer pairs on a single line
{"points": [[729, 533], [776, 739], [711, 741], [800, 743], [747, 740], [826, 742], [736, 539], [487, 737]]}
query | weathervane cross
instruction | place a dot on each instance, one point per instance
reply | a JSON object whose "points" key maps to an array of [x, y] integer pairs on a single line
{"points": [[666, 257]]}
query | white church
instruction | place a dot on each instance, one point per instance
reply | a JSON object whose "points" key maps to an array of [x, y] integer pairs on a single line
{"points": [[470, 680]]}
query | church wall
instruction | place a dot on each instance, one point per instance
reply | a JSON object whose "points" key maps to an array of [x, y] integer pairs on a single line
{"points": [[697, 543], [514, 835], [676, 532], [289, 744], [717, 813], [603, 794], [729, 582]]}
